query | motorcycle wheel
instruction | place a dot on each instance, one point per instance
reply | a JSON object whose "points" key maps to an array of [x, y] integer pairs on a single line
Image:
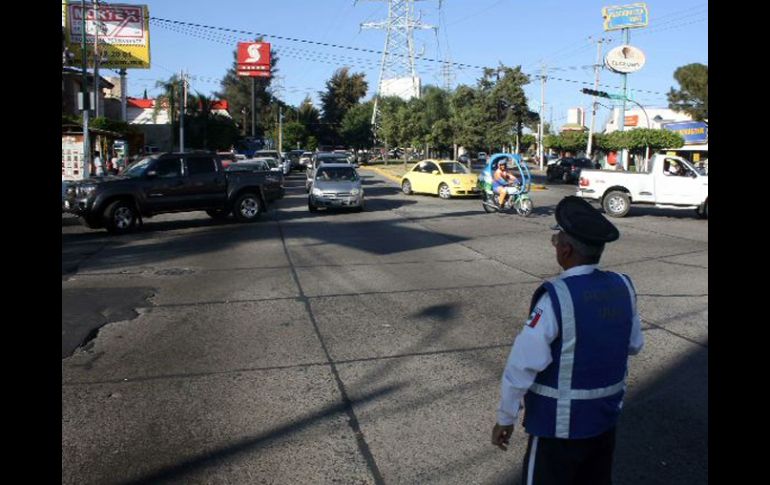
{"points": [[484, 203], [524, 207]]}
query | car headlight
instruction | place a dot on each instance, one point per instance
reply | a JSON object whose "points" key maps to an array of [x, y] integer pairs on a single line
{"points": [[456, 181], [85, 190], [317, 191], [354, 192]]}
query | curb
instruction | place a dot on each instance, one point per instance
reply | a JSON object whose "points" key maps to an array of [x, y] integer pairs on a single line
{"points": [[388, 176], [398, 179]]}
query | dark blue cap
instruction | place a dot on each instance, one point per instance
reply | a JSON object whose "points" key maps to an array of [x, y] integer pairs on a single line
{"points": [[580, 220]]}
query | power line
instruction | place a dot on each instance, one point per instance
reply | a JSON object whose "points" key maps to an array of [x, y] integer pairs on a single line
{"points": [[169, 24]]}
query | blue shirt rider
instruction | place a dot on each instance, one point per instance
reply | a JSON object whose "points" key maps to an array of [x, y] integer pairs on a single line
{"points": [[502, 179]]}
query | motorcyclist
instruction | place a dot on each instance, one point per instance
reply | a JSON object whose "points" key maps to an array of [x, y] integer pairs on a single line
{"points": [[502, 179]]}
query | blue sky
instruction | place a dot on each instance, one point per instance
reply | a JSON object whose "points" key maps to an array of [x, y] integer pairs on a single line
{"points": [[473, 32]]}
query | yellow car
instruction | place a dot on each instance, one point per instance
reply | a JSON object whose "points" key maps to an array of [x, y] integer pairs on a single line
{"points": [[446, 178]]}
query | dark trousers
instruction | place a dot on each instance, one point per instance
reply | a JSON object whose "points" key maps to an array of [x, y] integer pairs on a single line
{"points": [[554, 461]]}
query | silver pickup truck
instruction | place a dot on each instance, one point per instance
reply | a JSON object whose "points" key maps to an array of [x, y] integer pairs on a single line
{"points": [[667, 182]]}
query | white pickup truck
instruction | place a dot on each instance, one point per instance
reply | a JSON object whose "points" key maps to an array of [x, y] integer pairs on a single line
{"points": [[668, 182]]}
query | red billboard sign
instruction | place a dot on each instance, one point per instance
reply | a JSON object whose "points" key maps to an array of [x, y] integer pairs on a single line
{"points": [[254, 59]]}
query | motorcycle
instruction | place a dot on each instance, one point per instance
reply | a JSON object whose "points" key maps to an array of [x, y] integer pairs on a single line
{"points": [[518, 199]]}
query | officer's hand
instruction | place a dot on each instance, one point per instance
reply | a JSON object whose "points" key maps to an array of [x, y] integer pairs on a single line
{"points": [[501, 436]]}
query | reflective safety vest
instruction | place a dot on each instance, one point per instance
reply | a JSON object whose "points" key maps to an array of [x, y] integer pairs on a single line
{"points": [[580, 393]]}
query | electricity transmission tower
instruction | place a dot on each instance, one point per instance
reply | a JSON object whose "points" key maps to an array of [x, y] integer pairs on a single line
{"points": [[397, 73]]}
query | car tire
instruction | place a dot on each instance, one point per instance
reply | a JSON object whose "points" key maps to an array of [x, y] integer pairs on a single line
{"points": [[444, 192], [565, 177], [248, 207], [616, 204], [120, 217], [310, 206], [406, 187]]}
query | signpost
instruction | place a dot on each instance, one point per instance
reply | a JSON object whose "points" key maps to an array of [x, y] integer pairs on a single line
{"points": [[626, 17]]}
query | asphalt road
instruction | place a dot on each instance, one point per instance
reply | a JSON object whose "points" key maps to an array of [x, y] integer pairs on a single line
{"points": [[353, 347]]}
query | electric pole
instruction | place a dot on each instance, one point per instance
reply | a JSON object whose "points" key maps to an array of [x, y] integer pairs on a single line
{"points": [[84, 89], [597, 68], [182, 107], [542, 114], [97, 87]]}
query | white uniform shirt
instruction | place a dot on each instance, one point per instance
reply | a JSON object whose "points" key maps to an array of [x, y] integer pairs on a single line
{"points": [[98, 166], [531, 351]]}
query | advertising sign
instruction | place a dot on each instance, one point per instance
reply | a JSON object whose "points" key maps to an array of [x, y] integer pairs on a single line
{"points": [[625, 16], [694, 132], [632, 120], [625, 59], [254, 59], [123, 32], [72, 157]]}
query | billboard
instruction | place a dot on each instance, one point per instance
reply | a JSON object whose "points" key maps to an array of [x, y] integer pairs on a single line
{"points": [[123, 31], [625, 59], [254, 59], [625, 16], [405, 88], [694, 132]]}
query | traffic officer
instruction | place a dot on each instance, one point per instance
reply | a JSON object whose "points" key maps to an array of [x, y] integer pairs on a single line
{"points": [[569, 361]]}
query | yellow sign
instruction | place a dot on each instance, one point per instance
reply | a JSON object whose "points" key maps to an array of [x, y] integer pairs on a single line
{"points": [[123, 33]]}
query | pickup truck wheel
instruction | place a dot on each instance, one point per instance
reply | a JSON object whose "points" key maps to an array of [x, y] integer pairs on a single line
{"points": [[703, 211], [217, 214], [120, 217], [247, 207], [616, 204]]}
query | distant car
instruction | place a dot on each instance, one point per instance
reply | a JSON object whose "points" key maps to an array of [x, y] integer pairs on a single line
{"points": [[305, 159], [482, 157], [568, 169], [336, 185], [294, 156], [227, 158], [273, 186], [446, 178], [464, 158], [321, 158], [283, 163]]}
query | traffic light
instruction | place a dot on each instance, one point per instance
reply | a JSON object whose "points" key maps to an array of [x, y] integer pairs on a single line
{"points": [[593, 92]]}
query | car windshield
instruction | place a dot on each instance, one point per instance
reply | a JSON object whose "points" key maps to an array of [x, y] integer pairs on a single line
{"points": [[452, 167], [271, 162], [336, 174], [137, 168]]}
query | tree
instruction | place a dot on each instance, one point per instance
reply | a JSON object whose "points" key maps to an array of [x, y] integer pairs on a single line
{"points": [[343, 91], [693, 98], [237, 91], [356, 127], [569, 141], [310, 117], [294, 133]]}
